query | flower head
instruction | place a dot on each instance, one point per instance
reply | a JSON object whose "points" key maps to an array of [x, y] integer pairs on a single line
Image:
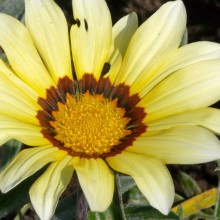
{"points": [[133, 101]]}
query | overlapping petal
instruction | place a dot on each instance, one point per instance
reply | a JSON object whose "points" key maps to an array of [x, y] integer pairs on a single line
{"points": [[46, 190], [26, 133], [179, 145], [97, 182], [150, 175], [152, 44], [22, 55], [195, 86], [16, 96], [12, 99], [26, 163], [48, 27], [7, 73], [122, 33], [90, 36], [181, 58], [205, 117]]}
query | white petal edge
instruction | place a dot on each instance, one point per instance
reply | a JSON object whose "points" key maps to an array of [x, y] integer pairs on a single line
{"points": [[152, 44], [150, 175], [22, 55], [122, 33], [90, 36], [26, 163], [179, 145], [205, 117], [195, 86], [48, 27], [47, 189], [97, 182]]}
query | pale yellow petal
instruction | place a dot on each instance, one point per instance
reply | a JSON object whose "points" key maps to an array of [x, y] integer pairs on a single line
{"points": [[48, 28], [122, 33], [26, 163], [204, 117], [150, 175], [15, 108], [22, 55], [7, 73], [179, 145], [97, 182], [183, 57], [152, 44], [47, 189], [90, 36], [195, 86], [26, 133], [16, 103], [7, 86]]}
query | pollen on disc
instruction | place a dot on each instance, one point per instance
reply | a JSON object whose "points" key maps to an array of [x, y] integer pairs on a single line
{"points": [[89, 124]]}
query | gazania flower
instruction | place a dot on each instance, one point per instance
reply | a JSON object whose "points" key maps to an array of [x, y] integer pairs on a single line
{"points": [[133, 101]]}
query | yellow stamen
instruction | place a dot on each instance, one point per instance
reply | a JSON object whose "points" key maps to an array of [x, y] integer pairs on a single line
{"points": [[89, 124]]}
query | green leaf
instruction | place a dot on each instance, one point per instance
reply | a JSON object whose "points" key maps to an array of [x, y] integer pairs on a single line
{"points": [[110, 214], [136, 213], [126, 183], [8, 151], [217, 205], [13, 8], [66, 208], [17, 197], [189, 185], [136, 198]]}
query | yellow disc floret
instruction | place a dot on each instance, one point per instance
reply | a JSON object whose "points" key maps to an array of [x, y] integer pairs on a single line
{"points": [[89, 124]]}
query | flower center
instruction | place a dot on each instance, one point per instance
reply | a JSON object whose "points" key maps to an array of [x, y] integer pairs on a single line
{"points": [[89, 124]]}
